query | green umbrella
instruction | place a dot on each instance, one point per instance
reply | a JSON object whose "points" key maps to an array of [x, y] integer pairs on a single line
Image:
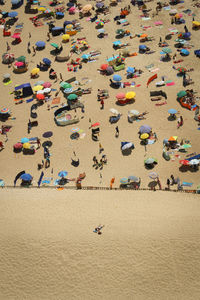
{"points": [[55, 45], [65, 85], [120, 31], [186, 146], [181, 70], [166, 50], [21, 58], [72, 97], [181, 94]]}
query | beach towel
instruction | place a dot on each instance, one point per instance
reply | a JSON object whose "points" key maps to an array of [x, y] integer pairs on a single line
{"points": [[170, 83], [151, 79], [184, 183], [7, 83], [56, 100]]}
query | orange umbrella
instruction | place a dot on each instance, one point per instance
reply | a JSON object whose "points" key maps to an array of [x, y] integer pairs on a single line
{"points": [[40, 97], [143, 35]]}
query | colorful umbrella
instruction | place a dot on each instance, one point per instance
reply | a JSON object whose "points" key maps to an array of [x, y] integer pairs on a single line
{"points": [[35, 71], [117, 43], [130, 70], [120, 96], [4, 111], [46, 61], [150, 160], [172, 111], [26, 145], [21, 58], [185, 52], [47, 84], [47, 134], [24, 140], [40, 44], [65, 37], [104, 67], [16, 35], [173, 139], [130, 95], [109, 70], [62, 174], [95, 124], [134, 112], [126, 145], [133, 178], [37, 88], [65, 85], [13, 14], [184, 162], [194, 162], [166, 50], [19, 64], [145, 129], [124, 180], [18, 146], [47, 90], [40, 96], [181, 70]]}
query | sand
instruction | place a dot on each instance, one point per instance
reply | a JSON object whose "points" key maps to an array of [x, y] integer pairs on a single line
{"points": [[149, 247]]}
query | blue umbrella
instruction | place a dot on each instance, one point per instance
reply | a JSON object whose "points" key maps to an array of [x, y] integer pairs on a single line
{"points": [[15, 1], [24, 140], [69, 4], [26, 177], [46, 61], [117, 43], [124, 180], [13, 14], [172, 111], [99, 5], [126, 145], [117, 77], [142, 47], [47, 134], [130, 70], [101, 30], [187, 35], [62, 173], [145, 129], [185, 52], [133, 178], [85, 56], [67, 23], [40, 44], [60, 14]]}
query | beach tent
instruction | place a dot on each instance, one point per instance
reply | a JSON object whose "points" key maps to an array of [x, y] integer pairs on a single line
{"points": [[26, 89]]}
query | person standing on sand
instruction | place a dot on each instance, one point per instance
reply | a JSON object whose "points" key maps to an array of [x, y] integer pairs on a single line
{"points": [[101, 149], [102, 104], [34, 51], [38, 143], [116, 131]]}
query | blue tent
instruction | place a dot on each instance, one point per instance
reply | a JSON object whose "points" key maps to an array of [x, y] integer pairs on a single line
{"points": [[26, 89]]}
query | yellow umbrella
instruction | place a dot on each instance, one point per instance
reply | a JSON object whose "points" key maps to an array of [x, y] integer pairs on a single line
{"points": [[69, 26], [196, 23], [65, 37], [37, 88], [144, 136], [130, 95], [87, 8], [42, 8], [26, 146], [35, 71]]}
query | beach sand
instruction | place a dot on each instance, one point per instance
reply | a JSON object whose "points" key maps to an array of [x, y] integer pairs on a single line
{"points": [[149, 247]]}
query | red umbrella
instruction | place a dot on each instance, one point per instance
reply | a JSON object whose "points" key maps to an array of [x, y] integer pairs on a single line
{"points": [[120, 96], [95, 124], [47, 84], [184, 162], [104, 67], [15, 35], [40, 96], [18, 146], [19, 63]]}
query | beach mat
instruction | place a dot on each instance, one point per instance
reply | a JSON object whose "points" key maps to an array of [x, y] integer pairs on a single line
{"points": [[185, 183]]}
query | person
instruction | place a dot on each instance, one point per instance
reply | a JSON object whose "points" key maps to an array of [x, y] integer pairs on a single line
{"points": [[34, 51], [173, 180], [102, 104], [38, 143], [47, 162], [98, 229], [117, 132], [1, 146], [180, 122], [29, 126], [100, 148], [101, 164], [104, 158], [168, 183], [8, 47], [95, 161], [48, 37], [155, 135]]}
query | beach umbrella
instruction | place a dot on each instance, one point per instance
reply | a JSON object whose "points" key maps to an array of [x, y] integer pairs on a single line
{"points": [[47, 134], [8, 57], [172, 111], [47, 84], [72, 97], [95, 124], [42, 8], [2, 183], [4, 111], [173, 11], [114, 111], [86, 8], [70, 4], [24, 140], [69, 26], [166, 50], [144, 136], [145, 129], [117, 43], [153, 175], [186, 146], [85, 56], [126, 145], [99, 4], [72, 9], [134, 112], [109, 70], [15, 2], [26, 145], [40, 96], [75, 129], [194, 162], [185, 52], [117, 78], [40, 44], [37, 88], [184, 162], [65, 37], [16, 35], [39, 82], [46, 61], [130, 95], [26, 177], [67, 91], [150, 160], [21, 58], [130, 70], [65, 85], [19, 64], [13, 14], [101, 30], [54, 45], [62, 174], [196, 23], [47, 90], [187, 35], [104, 67], [142, 47], [120, 96], [18, 146], [143, 35], [124, 180], [133, 178], [181, 70], [181, 94], [40, 92], [6, 76], [35, 71], [119, 31], [172, 139], [178, 15]]}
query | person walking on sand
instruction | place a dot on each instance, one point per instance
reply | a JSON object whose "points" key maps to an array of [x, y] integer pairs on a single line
{"points": [[101, 149], [180, 122], [48, 37], [61, 78], [38, 143], [168, 184], [34, 51], [102, 104], [116, 131]]}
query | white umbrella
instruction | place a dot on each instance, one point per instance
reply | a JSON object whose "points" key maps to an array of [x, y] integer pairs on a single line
{"points": [[47, 90], [173, 12], [194, 162], [127, 146], [114, 111], [134, 112], [6, 76], [40, 92]]}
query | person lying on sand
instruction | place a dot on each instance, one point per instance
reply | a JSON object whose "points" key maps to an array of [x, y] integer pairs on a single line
{"points": [[98, 229]]}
